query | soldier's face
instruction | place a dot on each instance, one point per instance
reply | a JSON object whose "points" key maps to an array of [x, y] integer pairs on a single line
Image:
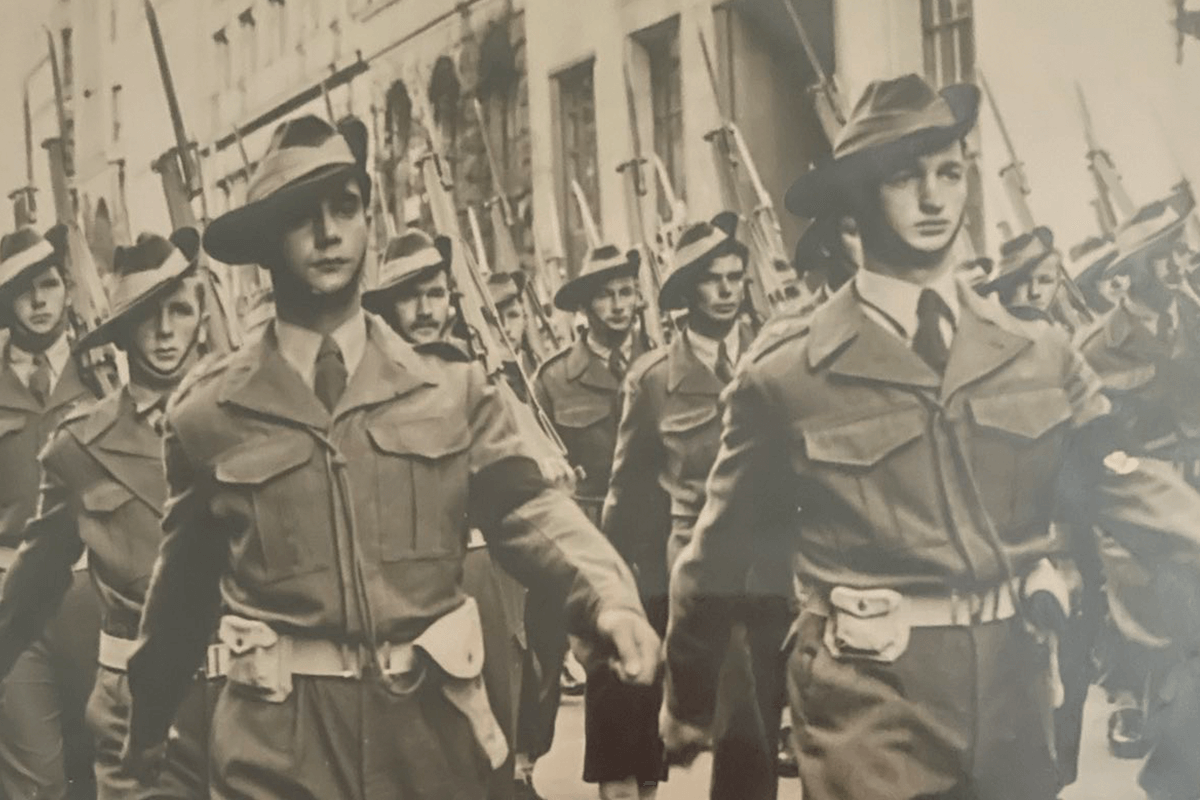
{"points": [[40, 307], [1115, 288], [323, 246], [615, 304], [166, 332], [1039, 289], [720, 293], [422, 309], [923, 201], [1171, 267], [513, 320]]}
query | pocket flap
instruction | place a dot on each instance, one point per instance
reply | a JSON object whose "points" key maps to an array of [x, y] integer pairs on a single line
{"points": [[11, 424], [1029, 413], [262, 459], [581, 416], [455, 641], [106, 496], [428, 438], [863, 442], [689, 419]]}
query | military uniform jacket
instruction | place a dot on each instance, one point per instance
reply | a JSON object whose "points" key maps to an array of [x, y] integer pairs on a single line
{"points": [[842, 444], [322, 525], [667, 440], [25, 425], [1154, 387], [103, 490], [582, 398]]}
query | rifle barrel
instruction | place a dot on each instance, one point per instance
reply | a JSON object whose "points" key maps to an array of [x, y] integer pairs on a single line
{"points": [[164, 71]]}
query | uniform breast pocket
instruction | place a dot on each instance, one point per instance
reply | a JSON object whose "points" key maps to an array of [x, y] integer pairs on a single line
{"points": [[1017, 449], [574, 419], [275, 492], [421, 469], [11, 450], [691, 437], [872, 469]]}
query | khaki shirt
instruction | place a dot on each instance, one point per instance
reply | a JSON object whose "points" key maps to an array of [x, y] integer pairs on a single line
{"points": [[843, 447]]}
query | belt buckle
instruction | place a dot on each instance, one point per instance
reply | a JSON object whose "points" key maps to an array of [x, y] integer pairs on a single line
{"points": [[352, 660]]}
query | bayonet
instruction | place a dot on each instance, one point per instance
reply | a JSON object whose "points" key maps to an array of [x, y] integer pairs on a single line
{"points": [[827, 99], [183, 145], [1016, 184], [1111, 188]]}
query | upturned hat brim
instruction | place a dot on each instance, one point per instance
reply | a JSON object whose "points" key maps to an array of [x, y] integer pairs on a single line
{"points": [[243, 235], [1125, 261], [822, 190], [158, 282], [575, 293]]}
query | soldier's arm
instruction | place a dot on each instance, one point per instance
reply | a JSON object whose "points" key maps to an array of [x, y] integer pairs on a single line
{"points": [[636, 507], [182, 603], [744, 503], [1141, 502], [536, 532], [41, 575]]}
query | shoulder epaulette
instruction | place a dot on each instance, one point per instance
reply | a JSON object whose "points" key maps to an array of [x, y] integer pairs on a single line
{"points": [[443, 349], [207, 367], [83, 409], [643, 363], [776, 332], [554, 358]]}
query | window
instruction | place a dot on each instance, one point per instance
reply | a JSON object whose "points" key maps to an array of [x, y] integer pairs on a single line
{"points": [[577, 155], [224, 57], [249, 34], [115, 110], [499, 94], [444, 96], [68, 62], [666, 99], [113, 19], [949, 30], [281, 27]]}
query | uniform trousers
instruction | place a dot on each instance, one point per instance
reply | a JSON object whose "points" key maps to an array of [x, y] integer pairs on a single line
{"points": [[45, 748], [965, 713], [349, 738], [184, 775]]}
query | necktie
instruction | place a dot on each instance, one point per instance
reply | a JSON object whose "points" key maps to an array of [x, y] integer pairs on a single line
{"points": [[155, 415], [330, 380], [724, 367], [929, 342], [39, 379], [616, 363]]}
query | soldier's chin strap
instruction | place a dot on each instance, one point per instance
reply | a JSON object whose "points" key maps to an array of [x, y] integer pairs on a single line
{"points": [[152, 377], [32, 342]]}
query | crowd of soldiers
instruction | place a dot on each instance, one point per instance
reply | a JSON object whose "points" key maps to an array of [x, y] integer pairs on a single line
{"points": [[896, 536]]}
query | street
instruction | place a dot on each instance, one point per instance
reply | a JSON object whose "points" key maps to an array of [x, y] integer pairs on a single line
{"points": [[1102, 777]]}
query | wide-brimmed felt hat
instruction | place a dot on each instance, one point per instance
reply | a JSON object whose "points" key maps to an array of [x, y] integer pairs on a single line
{"points": [[504, 287], [895, 120], [695, 249], [1018, 257], [409, 256], [1154, 226], [306, 155], [602, 264], [149, 268], [25, 251], [1089, 261]]}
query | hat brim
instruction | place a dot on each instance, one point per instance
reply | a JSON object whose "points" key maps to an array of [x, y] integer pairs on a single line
{"points": [[376, 300], [822, 190], [243, 235], [1126, 261], [574, 294], [10, 282], [187, 241]]}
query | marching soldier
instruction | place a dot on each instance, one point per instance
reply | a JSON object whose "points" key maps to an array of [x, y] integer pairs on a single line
{"points": [[1147, 353], [579, 388], [321, 485], [908, 444], [507, 291], [414, 298], [44, 745], [666, 443], [102, 491]]}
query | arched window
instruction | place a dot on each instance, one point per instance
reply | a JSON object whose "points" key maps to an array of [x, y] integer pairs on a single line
{"points": [[499, 86], [398, 122], [444, 95]]}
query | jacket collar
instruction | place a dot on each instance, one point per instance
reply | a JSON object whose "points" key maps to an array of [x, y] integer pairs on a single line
{"points": [[686, 374], [587, 368], [850, 344], [260, 380], [125, 446], [15, 395]]}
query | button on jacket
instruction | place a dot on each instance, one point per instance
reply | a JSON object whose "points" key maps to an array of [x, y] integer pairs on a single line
{"points": [[350, 526], [842, 445], [668, 438], [581, 396], [103, 490]]}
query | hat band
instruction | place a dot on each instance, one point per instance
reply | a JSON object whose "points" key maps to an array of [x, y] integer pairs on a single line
{"points": [[28, 257], [290, 164], [426, 257], [1135, 236], [131, 287], [701, 247], [883, 127]]}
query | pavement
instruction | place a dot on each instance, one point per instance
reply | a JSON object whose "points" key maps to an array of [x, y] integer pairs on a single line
{"points": [[1101, 777]]}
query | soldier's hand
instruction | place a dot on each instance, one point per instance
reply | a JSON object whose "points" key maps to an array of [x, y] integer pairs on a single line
{"points": [[635, 645], [682, 742], [144, 763], [558, 473]]}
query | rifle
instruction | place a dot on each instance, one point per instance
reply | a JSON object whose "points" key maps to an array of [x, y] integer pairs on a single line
{"points": [[23, 199], [503, 219], [1016, 184], [179, 169], [636, 192], [774, 287], [89, 304], [827, 100], [489, 343], [1111, 197]]}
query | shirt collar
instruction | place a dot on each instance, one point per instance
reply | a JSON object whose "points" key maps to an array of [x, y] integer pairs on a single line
{"points": [[299, 345], [897, 299], [603, 353], [144, 398], [56, 354], [707, 349]]}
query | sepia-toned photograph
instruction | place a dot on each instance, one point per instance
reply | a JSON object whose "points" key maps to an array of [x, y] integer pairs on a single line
{"points": [[600, 400]]}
